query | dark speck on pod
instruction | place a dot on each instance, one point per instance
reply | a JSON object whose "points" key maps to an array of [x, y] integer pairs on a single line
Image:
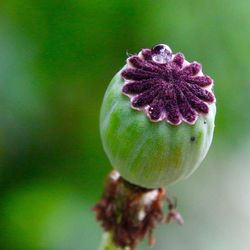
{"points": [[192, 138]]}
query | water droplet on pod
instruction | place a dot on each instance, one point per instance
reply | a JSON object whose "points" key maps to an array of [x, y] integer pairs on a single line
{"points": [[161, 53]]}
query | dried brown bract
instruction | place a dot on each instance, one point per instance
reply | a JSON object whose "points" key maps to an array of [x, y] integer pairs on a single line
{"points": [[130, 212]]}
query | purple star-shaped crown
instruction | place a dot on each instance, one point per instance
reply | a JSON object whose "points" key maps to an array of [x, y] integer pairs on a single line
{"points": [[166, 86]]}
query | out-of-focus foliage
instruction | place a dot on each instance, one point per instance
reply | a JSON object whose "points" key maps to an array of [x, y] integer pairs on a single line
{"points": [[56, 60]]}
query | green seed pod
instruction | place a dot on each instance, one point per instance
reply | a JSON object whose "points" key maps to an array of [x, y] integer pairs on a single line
{"points": [[157, 118]]}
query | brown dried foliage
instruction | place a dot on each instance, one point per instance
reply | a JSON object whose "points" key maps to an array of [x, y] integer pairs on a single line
{"points": [[119, 208]]}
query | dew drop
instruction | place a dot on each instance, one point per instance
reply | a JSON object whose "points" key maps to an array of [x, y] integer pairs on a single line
{"points": [[161, 54]]}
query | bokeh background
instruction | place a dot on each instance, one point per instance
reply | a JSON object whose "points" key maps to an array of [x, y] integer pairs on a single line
{"points": [[56, 60]]}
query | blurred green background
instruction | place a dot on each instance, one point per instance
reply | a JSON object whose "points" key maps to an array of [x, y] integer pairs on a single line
{"points": [[56, 60]]}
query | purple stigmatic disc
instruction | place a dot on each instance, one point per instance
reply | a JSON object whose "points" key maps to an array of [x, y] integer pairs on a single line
{"points": [[166, 86]]}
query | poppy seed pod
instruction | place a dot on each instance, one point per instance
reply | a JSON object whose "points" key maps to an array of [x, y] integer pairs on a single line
{"points": [[157, 118]]}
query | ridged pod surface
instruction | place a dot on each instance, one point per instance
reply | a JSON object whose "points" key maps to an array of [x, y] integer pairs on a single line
{"points": [[148, 153]]}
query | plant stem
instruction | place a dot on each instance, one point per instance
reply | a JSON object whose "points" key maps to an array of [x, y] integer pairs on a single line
{"points": [[107, 243]]}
